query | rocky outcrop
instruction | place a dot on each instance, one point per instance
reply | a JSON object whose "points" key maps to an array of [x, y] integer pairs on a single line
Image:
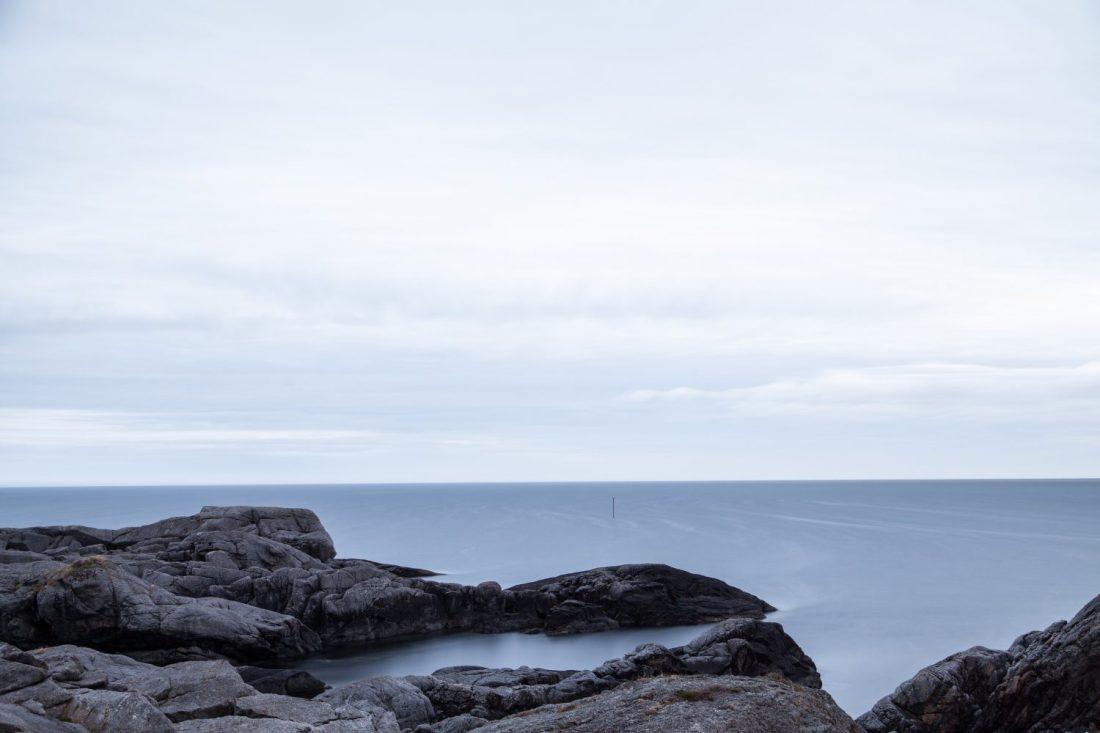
{"points": [[184, 597], [254, 583], [639, 595], [95, 601], [71, 689], [1047, 682], [737, 647], [702, 703], [79, 690]]}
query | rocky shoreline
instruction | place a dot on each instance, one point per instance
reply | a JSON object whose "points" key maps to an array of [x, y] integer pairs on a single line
{"points": [[167, 627]]}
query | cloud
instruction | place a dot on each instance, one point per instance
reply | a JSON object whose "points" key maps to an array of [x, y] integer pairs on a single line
{"points": [[42, 428], [911, 390]]}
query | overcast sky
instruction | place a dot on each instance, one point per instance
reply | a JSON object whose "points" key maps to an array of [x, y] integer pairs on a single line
{"points": [[439, 241]]}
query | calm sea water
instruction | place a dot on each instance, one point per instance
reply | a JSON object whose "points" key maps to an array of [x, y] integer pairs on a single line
{"points": [[873, 579]]}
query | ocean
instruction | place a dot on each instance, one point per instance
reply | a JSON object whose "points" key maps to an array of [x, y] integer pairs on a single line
{"points": [[874, 579]]}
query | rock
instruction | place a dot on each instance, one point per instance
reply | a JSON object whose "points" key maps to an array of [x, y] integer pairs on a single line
{"points": [[640, 595], [95, 601], [750, 648], [202, 690], [107, 711], [457, 724], [16, 675], [742, 647], [18, 719], [254, 583], [698, 703], [282, 707], [293, 682], [1047, 682], [408, 703], [240, 724], [298, 528]]}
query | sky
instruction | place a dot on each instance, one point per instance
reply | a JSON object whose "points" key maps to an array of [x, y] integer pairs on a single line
{"points": [[246, 242]]}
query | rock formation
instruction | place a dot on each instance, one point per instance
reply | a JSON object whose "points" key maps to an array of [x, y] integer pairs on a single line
{"points": [[736, 675], [250, 583], [1047, 682]]}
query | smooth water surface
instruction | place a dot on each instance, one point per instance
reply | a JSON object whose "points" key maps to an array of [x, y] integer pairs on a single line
{"points": [[873, 579]]}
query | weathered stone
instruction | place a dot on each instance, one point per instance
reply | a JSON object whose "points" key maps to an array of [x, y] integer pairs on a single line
{"points": [[202, 690], [240, 724], [1048, 682], [107, 711], [19, 719], [697, 703], [408, 703], [16, 675]]}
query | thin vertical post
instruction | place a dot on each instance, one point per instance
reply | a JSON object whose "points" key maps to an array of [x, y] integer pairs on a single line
{"points": [[613, 507]]}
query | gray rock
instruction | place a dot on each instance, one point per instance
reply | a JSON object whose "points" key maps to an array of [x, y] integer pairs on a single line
{"points": [[88, 668], [202, 690], [408, 703], [699, 703], [107, 711], [171, 591], [298, 528], [95, 601], [282, 707], [750, 648], [16, 675], [240, 724], [1048, 682], [457, 724], [743, 647], [18, 719]]}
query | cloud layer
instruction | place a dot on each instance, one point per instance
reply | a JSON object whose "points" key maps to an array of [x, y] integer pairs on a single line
{"points": [[445, 244]]}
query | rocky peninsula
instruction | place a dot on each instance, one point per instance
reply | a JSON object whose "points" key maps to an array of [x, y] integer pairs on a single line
{"points": [[189, 624]]}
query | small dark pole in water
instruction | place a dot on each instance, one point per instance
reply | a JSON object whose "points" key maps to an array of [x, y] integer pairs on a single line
{"points": [[613, 507]]}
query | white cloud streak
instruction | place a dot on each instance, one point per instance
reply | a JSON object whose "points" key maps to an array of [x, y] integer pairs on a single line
{"points": [[910, 391]]}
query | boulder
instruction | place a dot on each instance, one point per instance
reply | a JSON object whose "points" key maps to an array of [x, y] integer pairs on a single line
{"points": [[407, 702], [107, 711]]}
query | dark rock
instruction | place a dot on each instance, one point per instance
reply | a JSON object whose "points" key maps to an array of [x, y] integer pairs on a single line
{"points": [[1048, 682], [16, 675], [94, 601], [249, 583], [298, 528], [640, 595], [749, 648], [293, 682]]}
